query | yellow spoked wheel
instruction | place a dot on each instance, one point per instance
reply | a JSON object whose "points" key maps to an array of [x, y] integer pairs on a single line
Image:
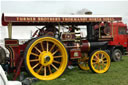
{"points": [[99, 62], [83, 63], [46, 58]]}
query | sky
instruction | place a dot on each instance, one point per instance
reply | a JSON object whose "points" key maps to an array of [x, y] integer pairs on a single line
{"points": [[104, 7], [55, 7], [65, 7]]}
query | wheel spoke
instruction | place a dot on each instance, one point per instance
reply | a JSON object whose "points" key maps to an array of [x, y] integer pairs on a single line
{"points": [[98, 66], [102, 56], [105, 61], [55, 52], [34, 60], [54, 66], [52, 47], [35, 65], [42, 46], [103, 65], [47, 46], [56, 62], [39, 69], [49, 68], [96, 57], [94, 64], [34, 54], [57, 56], [37, 49], [45, 71]]}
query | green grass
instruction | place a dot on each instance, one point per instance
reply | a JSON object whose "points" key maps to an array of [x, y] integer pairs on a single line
{"points": [[117, 75]]}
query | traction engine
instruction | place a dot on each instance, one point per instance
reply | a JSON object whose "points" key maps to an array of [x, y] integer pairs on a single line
{"points": [[51, 49]]}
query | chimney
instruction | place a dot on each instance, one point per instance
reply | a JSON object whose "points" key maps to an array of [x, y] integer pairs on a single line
{"points": [[84, 12]]}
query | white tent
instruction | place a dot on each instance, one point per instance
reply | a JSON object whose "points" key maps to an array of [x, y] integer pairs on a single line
{"points": [[4, 80]]}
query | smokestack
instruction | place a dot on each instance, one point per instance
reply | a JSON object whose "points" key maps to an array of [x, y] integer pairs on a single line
{"points": [[84, 12]]}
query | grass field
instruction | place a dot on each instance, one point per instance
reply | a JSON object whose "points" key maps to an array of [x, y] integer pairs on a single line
{"points": [[117, 75]]}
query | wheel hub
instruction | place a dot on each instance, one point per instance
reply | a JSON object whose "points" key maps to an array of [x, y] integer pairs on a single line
{"points": [[46, 58], [100, 61], [117, 55]]}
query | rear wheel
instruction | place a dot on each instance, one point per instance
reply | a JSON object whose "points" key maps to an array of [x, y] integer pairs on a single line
{"points": [[99, 61], [46, 58], [116, 55]]}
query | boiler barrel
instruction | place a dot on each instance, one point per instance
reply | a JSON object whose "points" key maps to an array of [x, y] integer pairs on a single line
{"points": [[86, 46]]}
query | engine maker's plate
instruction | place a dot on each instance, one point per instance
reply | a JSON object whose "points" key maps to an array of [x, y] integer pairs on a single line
{"points": [[68, 36]]}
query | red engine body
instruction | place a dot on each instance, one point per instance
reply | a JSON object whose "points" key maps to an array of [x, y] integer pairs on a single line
{"points": [[16, 51]]}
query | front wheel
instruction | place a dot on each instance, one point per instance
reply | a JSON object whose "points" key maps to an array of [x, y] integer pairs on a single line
{"points": [[46, 58], [99, 61]]}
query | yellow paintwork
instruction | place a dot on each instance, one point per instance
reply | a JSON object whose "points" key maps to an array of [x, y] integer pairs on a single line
{"points": [[46, 65], [102, 63], [42, 58], [83, 63]]}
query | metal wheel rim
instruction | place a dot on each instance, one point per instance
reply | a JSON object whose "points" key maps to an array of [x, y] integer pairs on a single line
{"points": [[100, 61], [53, 70]]}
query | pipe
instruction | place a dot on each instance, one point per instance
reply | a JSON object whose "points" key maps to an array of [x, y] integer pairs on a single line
{"points": [[87, 46]]}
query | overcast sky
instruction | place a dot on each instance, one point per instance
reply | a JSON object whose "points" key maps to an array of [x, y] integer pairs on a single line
{"points": [[65, 7], [98, 7]]}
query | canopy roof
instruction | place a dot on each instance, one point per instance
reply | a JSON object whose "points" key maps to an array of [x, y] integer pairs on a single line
{"points": [[41, 19]]}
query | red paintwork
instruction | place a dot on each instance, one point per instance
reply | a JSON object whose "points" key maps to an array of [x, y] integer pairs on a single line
{"points": [[119, 39], [18, 69], [11, 42], [72, 53], [85, 46], [15, 51], [27, 20], [16, 55]]}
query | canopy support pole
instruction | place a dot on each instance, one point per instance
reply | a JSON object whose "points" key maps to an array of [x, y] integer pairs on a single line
{"points": [[10, 30], [99, 31]]}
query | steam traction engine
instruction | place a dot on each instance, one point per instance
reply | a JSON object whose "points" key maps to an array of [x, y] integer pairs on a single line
{"points": [[47, 54]]}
